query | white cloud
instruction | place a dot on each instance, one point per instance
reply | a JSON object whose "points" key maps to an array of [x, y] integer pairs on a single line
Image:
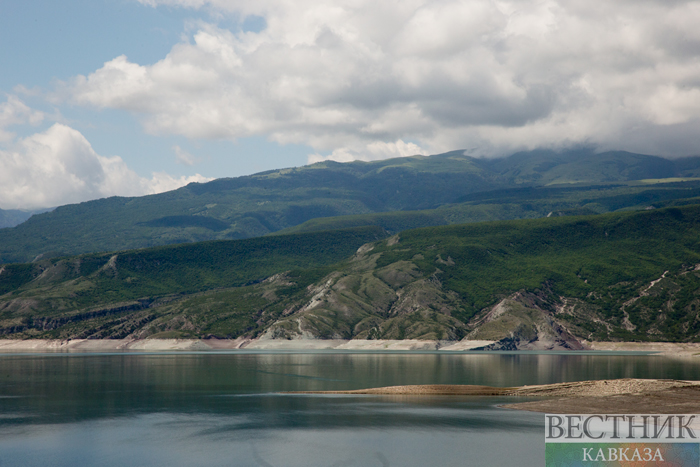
{"points": [[161, 182], [15, 112], [670, 104], [59, 167], [183, 157], [371, 152], [354, 79]]}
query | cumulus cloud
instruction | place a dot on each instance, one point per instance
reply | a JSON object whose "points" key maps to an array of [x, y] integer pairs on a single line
{"points": [[15, 112], [59, 167], [355, 79]]}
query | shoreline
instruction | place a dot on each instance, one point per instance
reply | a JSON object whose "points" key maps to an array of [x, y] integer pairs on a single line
{"points": [[148, 345]]}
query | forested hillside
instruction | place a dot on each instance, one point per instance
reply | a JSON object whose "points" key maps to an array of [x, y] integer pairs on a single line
{"points": [[540, 283]]}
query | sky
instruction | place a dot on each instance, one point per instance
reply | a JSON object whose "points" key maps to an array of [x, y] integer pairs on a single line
{"points": [[132, 97]]}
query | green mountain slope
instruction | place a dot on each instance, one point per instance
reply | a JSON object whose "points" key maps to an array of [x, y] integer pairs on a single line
{"points": [[246, 206], [625, 276], [541, 283], [272, 201], [75, 289]]}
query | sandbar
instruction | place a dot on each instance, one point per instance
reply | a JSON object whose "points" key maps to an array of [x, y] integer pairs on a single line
{"points": [[618, 396]]}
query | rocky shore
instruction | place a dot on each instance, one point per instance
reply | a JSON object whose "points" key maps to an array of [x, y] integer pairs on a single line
{"points": [[620, 396]]}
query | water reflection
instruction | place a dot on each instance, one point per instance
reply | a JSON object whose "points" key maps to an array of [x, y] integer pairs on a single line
{"points": [[58, 388], [226, 409]]}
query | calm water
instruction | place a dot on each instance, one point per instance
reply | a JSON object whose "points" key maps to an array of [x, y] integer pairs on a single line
{"points": [[226, 409]]}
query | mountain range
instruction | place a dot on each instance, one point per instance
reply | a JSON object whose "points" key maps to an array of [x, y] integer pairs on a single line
{"points": [[550, 283], [395, 194], [540, 250]]}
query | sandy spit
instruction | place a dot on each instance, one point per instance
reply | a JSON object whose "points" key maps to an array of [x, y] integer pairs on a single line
{"points": [[617, 396], [425, 390], [597, 388]]}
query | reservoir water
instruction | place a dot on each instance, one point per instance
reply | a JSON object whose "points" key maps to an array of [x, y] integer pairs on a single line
{"points": [[229, 409]]}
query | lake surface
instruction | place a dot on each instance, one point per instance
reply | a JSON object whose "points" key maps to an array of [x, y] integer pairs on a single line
{"points": [[226, 409]]}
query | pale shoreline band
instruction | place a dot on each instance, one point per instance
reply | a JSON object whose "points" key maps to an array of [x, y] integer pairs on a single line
{"points": [[92, 345]]}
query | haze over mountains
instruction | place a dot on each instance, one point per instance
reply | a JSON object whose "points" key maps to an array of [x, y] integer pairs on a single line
{"points": [[13, 217], [406, 192]]}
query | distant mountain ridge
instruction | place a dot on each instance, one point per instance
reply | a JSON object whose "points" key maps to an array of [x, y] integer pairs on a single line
{"points": [[438, 186], [13, 217]]}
